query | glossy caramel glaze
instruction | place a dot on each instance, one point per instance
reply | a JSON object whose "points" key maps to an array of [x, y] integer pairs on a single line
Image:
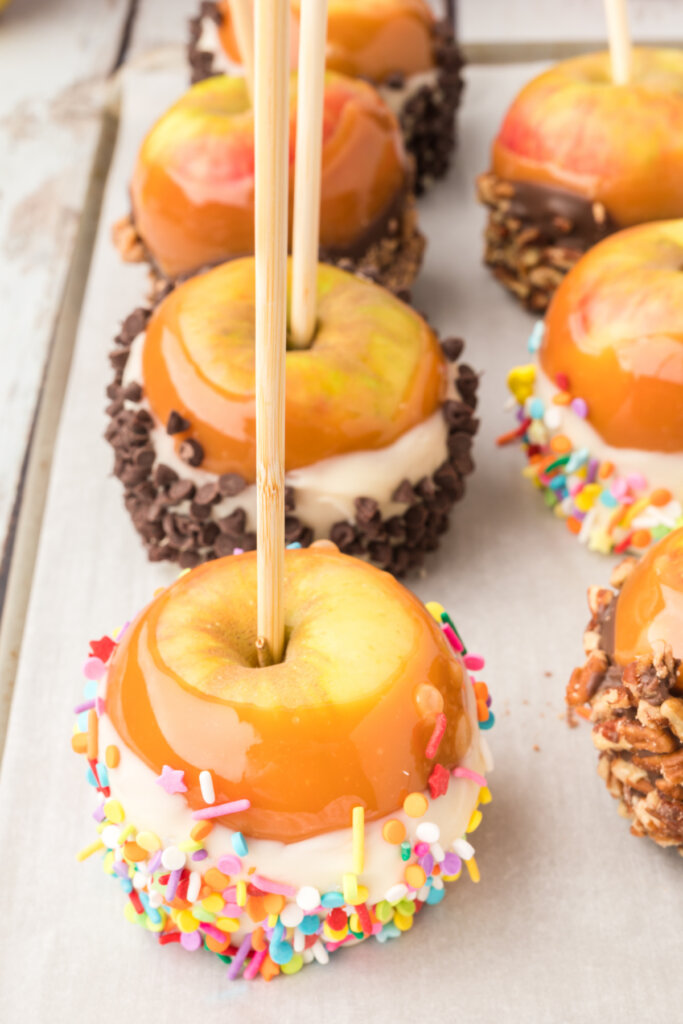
{"points": [[650, 605], [192, 189], [375, 369], [370, 39], [615, 330], [342, 721], [572, 128]]}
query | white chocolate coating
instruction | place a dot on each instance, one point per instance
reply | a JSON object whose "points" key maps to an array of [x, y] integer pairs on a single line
{"points": [[660, 469], [325, 492], [320, 861]]}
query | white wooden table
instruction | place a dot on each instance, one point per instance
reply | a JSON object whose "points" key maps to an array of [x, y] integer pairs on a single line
{"points": [[58, 109]]}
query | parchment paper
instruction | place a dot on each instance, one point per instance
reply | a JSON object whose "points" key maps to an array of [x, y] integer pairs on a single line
{"points": [[574, 920]]}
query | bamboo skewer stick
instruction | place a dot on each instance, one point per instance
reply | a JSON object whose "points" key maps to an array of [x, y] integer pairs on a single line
{"points": [[241, 12], [619, 40], [309, 134], [271, 145]]}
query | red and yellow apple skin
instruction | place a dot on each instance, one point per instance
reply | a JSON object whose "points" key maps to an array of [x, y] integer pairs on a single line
{"points": [[375, 369], [650, 606], [192, 189], [344, 720], [572, 128], [370, 39], [615, 330]]}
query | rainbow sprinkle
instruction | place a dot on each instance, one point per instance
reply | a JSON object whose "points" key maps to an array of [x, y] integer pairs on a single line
{"points": [[607, 510], [172, 894]]}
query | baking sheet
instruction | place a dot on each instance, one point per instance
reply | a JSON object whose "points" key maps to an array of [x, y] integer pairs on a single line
{"points": [[574, 920]]}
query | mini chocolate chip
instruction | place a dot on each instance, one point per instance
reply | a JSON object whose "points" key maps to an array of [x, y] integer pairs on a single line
{"points": [[343, 534], [207, 493], [191, 451], [209, 533], [133, 325], [114, 408], [380, 553], [293, 529], [290, 499], [416, 517], [230, 484], [118, 360], [366, 509], [181, 490], [248, 541], [396, 527], [306, 537], [234, 524], [198, 511], [144, 457], [132, 392], [452, 348], [396, 80], [224, 545], [132, 475], [188, 559], [176, 424], [426, 487], [164, 476], [404, 493]]}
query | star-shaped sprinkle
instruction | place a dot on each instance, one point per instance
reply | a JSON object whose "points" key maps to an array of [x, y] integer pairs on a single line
{"points": [[171, 780], [102, 648]]}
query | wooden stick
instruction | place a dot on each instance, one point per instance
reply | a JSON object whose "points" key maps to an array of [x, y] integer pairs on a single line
{"points": [[264, 655], [271, 145], [619, 40], [309, 144], [242, 14]]}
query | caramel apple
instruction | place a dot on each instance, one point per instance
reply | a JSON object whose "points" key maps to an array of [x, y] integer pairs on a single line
{"points": [[273, 814], [192, 189], [631, 688], [578, 157], [400, 46], [601, 411], [378, 424]]}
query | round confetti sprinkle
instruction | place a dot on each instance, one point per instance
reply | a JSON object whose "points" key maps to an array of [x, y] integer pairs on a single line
{"points": [[291, 915], [415, 876], [173, 859], [191, 941], [114, 811], [293, 965], [112, 756], [187, 922], [148, 841], [308, 898], [94, 668], [428, 832], [229, 864], [415, 805], [110, 836], [396, 893], [463, 849], [394, 831]]}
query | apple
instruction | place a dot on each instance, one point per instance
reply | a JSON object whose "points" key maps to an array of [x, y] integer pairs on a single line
{"points": [[192, 189], [369, 39], [614, 329], [621, 145], [374, 370], [344, 719], [650, 605]]}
